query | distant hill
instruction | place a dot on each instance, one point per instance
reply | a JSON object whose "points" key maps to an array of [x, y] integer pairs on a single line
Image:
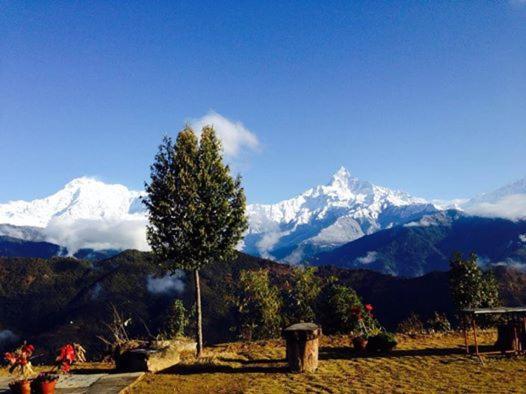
{"points": [[15, 247], [419, 248], [50, 301]]}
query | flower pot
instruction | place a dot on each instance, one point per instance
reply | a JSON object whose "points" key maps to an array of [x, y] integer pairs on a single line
{"points": [[43, 386], [359, 344], [47, 387], [20, 387]]}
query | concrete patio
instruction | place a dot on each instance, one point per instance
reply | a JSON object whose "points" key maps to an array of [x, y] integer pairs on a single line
{"points": [[100, 383]]}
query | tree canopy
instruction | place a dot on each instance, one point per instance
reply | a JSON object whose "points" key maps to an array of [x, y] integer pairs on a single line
{"points": [[196, 209]]}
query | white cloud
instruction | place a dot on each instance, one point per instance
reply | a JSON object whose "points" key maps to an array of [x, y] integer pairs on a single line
{"points": [[522, 238], [369, 258], [455, 203], [234, 135], [267, 242], [166, 284], [511, 263], [511, 207], [7, 336], [129, 233]]}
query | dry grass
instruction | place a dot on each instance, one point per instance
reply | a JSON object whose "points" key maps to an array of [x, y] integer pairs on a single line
{"points": [[424, 364], [434, 363]]}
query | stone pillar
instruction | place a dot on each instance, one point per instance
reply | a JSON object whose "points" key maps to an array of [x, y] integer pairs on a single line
{"points": [[302, 346]]}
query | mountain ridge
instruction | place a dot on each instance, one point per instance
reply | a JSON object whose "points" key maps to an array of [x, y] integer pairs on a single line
{"points": [[90, 214]]}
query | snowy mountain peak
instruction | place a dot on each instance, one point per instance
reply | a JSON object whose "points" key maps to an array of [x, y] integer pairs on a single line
{"points": [[343, 175], [82, 198], [328, 215], [81, 182]]}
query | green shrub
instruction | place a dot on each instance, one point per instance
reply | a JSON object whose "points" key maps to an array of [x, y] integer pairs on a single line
{"points": [[258, 305], [300, 294], [381, 343], [176, 320], [411, 325], [341, 311], [438, 323]]}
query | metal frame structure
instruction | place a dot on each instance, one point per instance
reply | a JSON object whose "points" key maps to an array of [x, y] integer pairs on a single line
{"points": [[471, 314]]}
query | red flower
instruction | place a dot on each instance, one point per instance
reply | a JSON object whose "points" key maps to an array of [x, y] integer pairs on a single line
{"points": [[368, 307], [356, 310], [28, 350], [11, 358], [66, 353], [66, 357]]}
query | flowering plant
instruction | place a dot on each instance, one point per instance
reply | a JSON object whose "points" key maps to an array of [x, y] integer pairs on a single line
{"points": [[20, 360], [68, 355], [65, 358], [364, 316]]}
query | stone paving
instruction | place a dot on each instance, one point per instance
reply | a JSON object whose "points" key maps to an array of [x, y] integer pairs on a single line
{"points": [[102, 383]]}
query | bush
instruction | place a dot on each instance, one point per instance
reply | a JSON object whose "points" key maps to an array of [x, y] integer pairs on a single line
{"points": [[411, 326], [381, 343], [257, 305], [300, 294], [438, 323], [176, 320], [341, 311]]}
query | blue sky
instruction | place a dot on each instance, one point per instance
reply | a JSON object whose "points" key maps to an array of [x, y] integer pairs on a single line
{"points": [[427, 97]]}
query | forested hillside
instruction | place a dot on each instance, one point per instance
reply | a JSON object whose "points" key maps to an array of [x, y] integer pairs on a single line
{"points": [[53, 300]]}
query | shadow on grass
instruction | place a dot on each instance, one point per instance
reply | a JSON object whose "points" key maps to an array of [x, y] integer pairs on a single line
{"points": [[336, 353], [254, 361], [190, 369]]}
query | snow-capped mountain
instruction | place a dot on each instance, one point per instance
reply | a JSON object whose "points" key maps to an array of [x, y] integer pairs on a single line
{"points": [[86, 213], [82, 198], [328, 216], [507, 202]]}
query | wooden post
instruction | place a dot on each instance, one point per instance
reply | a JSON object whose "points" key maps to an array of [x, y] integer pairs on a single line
{"points": [[474, 325], [302, 346], [516, 346], [465, 330]]}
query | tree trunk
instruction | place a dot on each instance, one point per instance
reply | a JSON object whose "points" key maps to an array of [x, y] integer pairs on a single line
{"points": [[199, 318]]}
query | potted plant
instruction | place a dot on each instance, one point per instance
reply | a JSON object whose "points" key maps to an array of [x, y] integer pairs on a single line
{"points": [[360, 343], [44, 383], [364, 318], [20, 367], [382, 342], [68, 354]]}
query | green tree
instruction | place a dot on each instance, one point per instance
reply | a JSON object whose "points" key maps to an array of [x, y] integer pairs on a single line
{"points": [[176, 319], [196, 209], [470, 286], [300, 295], [258, 305]]}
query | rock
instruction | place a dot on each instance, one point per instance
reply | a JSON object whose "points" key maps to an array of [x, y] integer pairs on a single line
{"points": [[157, 356]]}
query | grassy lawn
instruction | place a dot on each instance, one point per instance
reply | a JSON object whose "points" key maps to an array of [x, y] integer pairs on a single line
{"points": [[424, 364], [433, 363]]}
